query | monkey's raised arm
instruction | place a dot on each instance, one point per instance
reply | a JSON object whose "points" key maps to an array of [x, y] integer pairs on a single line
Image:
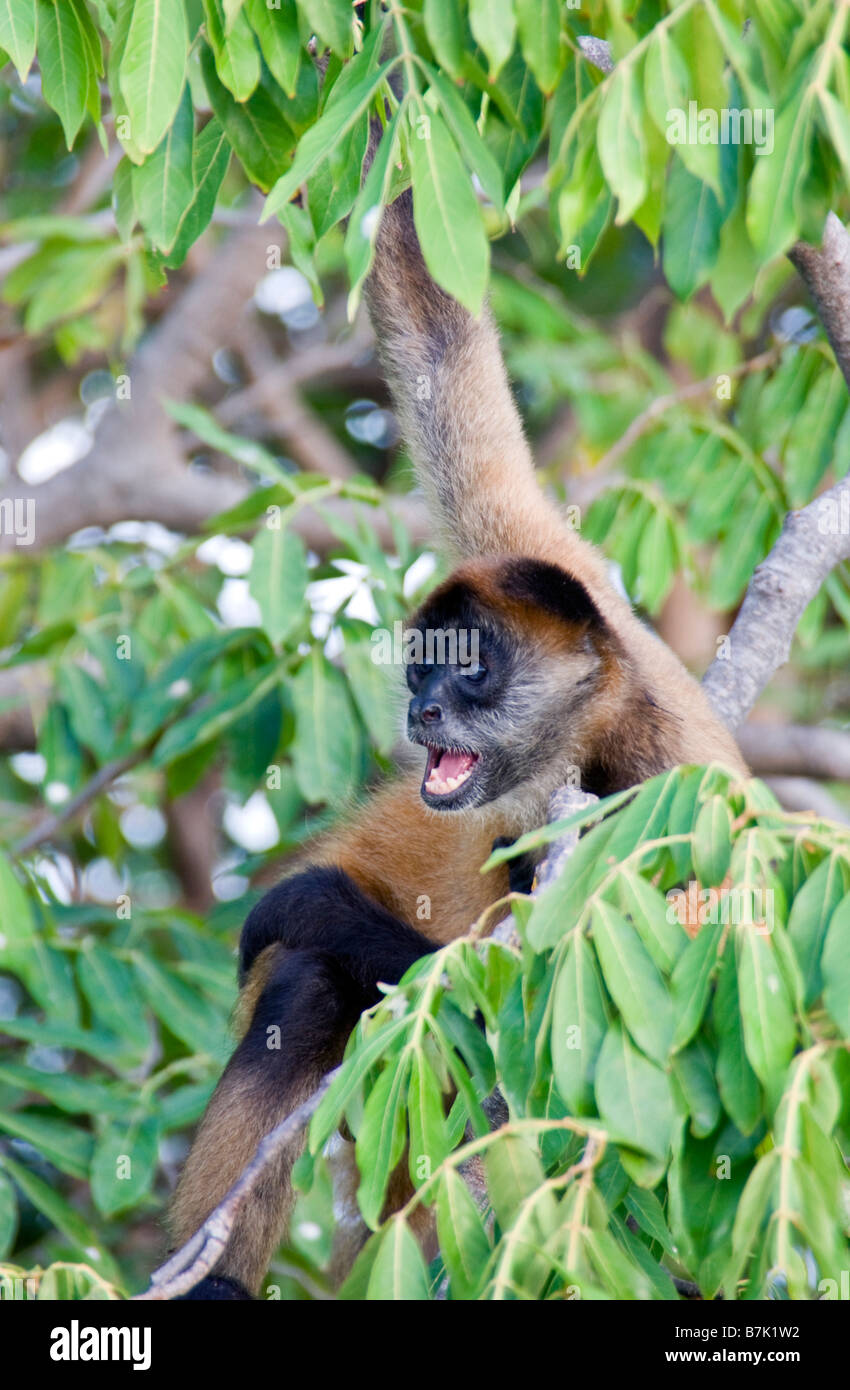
{"points": [[455, 407]]}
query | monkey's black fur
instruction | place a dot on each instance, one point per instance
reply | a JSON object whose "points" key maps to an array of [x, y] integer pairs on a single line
{"points": [[324, 909]]}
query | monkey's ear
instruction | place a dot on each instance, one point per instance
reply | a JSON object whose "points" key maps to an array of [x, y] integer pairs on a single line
{"points": [[554, 590]]}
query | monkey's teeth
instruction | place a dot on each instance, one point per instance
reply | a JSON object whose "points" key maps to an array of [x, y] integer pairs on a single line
{"points": [[449, 784]]}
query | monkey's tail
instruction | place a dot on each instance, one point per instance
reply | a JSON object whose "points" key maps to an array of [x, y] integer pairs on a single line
{"points": [[455, 406]]}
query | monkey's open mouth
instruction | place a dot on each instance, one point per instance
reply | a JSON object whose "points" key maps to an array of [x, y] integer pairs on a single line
{"points": [[448, 769]]}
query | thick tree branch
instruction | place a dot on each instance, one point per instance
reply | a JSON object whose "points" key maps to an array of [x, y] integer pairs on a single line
{"points": [[813, 541], [796, 750], [826, 275], [779, 591], [802, 794]]}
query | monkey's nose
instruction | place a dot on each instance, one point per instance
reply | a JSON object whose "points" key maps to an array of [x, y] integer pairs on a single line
{"points": [[431, 714]]}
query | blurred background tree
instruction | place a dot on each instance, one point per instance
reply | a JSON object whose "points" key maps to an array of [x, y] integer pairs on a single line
{"points": [[186, 692]]}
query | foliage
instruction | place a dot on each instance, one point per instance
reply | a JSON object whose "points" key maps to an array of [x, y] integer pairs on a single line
{"points": [[606, 1179], [678, 1094]]}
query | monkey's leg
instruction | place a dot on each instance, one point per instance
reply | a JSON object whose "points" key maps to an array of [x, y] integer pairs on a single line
{"points": [[311, 953], [322, 908], [307, 1007]]}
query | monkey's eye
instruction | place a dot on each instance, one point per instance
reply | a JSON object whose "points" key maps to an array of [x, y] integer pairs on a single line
{"points": [[421, 669], [473, 672]]}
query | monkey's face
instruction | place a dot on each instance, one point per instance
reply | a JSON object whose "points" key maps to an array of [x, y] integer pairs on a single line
{"points": [[448, 715], [495, 723], [503, 677]]}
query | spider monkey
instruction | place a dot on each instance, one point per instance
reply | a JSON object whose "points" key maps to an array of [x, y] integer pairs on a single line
{"points": [[566, 676]]}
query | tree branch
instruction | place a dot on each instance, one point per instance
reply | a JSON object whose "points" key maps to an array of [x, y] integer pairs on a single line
{"points": [[194, 1260], [796, 750], [96, 784], [779, 591], [690, 391], [802, 794]]}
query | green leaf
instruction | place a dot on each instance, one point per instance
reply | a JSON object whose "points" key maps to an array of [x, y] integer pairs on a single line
{"points": [[540, 38], [257, 129], [462, 126], [398, 1272], [713, 842], [810, 916], [750, 1216], [124, 1166], [362, 82], [835, 966], [770, 1030], [327, 748], [214, 717], [279, 577], [557, 909], [633, 1096], [16, 925], [493, 25], [445, 29], [692, 1070], [8, 1215], [579, 1024], [237, 60], [336, 183], [61, 1215], [75, 1094], [633, 981], [343, 1091], [668, 88], [210, 158], [18, 22], [186, 1013], [374, 693], [380, 1138], [87, 708], [153, 68], [691, 228], [656, 561], [649, 1214], [61, 1142], [649, 910], [447, 215], [331, 19], [835, 118], [691, 982], [514, 1171], [163, 186], [622, 147], [277, 31], [123, 202], [773, 211], [63, 59], [645, 818], [110, 988], [429, 1138], [736, 1080], [365, 220], [464, 1244]]}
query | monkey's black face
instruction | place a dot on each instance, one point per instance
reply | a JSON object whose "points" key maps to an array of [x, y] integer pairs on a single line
{"points": [[456, 713]]}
